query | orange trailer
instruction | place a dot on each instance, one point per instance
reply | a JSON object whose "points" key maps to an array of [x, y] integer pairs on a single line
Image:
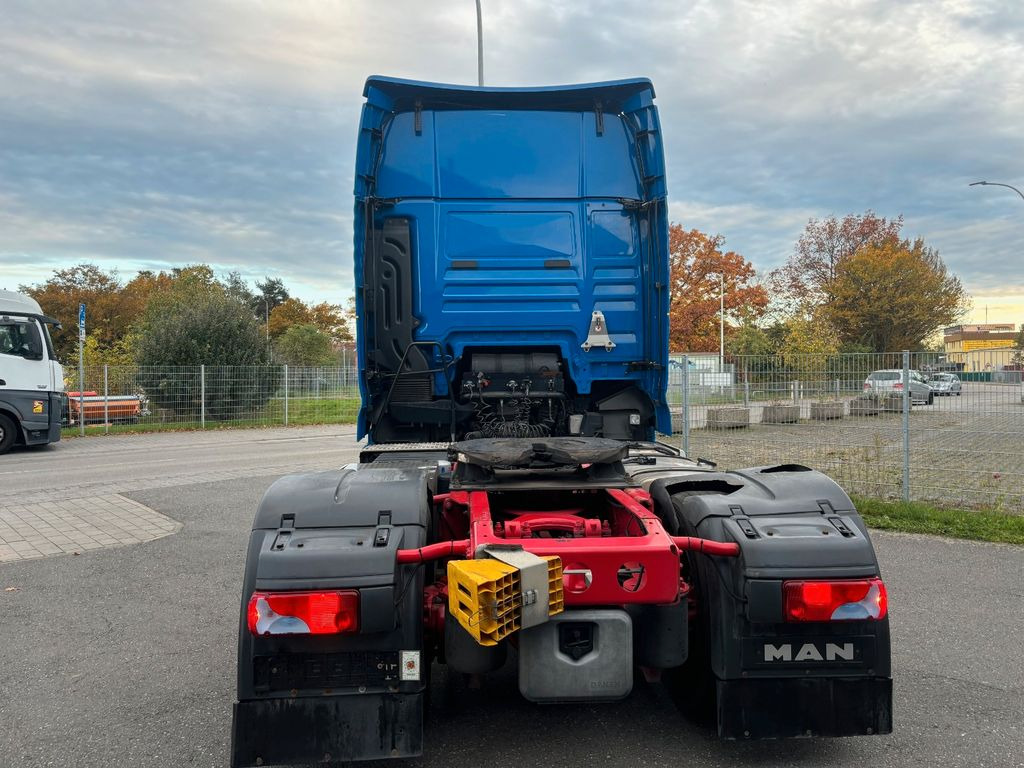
{"points": [[95, 408]]}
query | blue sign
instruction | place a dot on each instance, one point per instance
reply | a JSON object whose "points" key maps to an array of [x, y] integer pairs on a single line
{"points": [[81, 322]]}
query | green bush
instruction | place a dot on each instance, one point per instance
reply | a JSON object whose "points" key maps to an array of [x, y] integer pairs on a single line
{"points": [[196, 323], [305, 345]]}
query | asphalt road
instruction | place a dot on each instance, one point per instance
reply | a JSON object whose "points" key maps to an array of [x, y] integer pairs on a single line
{"points": [[126, 657], [87, 466]]}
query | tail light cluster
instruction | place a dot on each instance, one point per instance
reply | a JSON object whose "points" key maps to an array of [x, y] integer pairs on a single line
{"points": [[846, 600], [334, 612]]}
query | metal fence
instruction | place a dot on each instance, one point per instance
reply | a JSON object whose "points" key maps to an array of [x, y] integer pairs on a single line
{"points": [[126, 398], [842, 414], [896, 425]]}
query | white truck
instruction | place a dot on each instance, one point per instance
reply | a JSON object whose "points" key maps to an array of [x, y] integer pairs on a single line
{"points": [[31, 380]]}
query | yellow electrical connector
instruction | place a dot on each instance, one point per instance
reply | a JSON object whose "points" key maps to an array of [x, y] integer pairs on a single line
{"points": [[485, 596]]}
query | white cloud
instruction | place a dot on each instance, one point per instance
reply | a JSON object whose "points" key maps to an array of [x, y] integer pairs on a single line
{"points": [[140, 133]]}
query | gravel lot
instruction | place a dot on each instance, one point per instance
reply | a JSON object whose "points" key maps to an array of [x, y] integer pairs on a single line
{"points": [[126, 656], [964, 450]]}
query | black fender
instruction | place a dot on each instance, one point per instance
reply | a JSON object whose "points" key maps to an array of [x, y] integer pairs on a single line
{"points": [[303, 697], [790, 523]]}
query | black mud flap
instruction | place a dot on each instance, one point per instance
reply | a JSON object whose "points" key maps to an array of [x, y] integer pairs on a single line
{"points": [[326, 729], [779, 708]]}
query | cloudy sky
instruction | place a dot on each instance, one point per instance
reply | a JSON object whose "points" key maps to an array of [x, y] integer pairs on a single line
{"points": [[153, 134]]}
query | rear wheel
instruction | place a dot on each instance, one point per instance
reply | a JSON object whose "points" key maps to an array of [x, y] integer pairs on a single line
{"points": [[931, 398], [692, 686], [8, 432]]}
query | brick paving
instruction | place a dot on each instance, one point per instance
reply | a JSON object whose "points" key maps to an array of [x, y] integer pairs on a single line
{"points": [[72, 497], [72, 526]]}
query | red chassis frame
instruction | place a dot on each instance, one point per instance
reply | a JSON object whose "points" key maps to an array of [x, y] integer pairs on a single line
{"points": [[592, 559]]}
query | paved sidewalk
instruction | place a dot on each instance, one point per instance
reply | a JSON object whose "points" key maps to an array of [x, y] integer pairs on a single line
{"points": [[75, 525], [68, 497]]}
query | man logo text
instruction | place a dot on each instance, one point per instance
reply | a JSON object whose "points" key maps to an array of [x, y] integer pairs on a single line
{"points": [[809, 652]]}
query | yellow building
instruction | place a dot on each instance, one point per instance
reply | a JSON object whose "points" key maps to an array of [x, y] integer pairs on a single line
{"points": [[980, 347], [983, 359]]}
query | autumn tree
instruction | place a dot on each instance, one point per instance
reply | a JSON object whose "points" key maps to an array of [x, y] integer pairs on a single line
{"points": [[331, 320], [806, 280], [892, 295], [327, 318], [286, 314], [809, 344], [108, 316], [696, 264]]}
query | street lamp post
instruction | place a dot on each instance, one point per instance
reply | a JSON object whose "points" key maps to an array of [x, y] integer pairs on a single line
{"points": [[266, 317], [996, 184], [479, 44], [721, 321]]}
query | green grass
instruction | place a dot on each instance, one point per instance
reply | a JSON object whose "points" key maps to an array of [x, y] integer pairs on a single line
{"points": [[920, 517], [301, 412]]}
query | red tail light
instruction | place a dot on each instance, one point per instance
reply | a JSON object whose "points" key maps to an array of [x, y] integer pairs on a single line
{"points": [[834, 600], [304, 613], [898, 386]]}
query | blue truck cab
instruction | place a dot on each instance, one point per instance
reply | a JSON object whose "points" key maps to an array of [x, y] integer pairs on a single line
{"points": [[511, 261]]}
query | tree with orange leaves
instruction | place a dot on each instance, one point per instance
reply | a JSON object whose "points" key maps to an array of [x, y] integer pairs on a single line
{"points": [[696, 262], [325, 317], [892, 296], [806, 280]]}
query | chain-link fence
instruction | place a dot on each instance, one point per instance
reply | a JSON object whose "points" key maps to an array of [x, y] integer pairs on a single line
{"points": [[126, 398], [883, 425], [901, 425]]}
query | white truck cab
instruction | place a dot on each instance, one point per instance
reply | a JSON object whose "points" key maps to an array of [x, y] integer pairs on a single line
{"points": [[31, 378]]}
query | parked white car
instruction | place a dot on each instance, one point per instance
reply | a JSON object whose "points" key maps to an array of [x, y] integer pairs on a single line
{"points": [[882, 382], [945, 384]]}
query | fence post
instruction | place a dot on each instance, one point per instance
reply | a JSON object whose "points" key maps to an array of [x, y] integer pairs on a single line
{"points": [[746, 394], [906, 425], [81, 395], [286, 394], [106, 401], [202, 396], [686, 405], [837, 389]]}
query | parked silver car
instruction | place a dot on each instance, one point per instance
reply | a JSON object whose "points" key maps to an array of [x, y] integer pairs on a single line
{"points": [[945, 384], [881, 382]]}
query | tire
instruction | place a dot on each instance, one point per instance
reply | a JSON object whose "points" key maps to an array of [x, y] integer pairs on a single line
{"points": [[692, 686], [931, 398], [8, 433]]}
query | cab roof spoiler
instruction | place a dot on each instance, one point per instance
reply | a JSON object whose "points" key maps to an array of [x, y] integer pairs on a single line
{"points": [[400, 95]]}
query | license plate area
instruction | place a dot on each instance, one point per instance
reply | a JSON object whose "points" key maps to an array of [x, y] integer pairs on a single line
{"points": [[324, 671]]}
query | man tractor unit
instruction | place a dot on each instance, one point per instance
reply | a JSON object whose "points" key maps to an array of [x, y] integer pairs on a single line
{"points": [[511, 506]]}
